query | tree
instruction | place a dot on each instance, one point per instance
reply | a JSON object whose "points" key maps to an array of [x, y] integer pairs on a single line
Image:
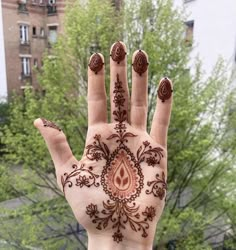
{"points": [[201, 139]]}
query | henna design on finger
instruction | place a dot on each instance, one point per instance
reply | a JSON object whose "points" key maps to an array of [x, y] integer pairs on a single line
{"points": [[140, 63], [50, 124], [118, 52], [165, 90], [96, 63], [158, 186], [88, 180]]}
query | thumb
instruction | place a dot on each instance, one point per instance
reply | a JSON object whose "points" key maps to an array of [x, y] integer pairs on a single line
{"points": [[56, 142]]}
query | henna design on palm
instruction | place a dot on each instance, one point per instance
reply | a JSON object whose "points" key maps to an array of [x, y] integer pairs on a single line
{"points": [[88, 179], [158, 186], [120, 215], [97, 150], [121, 178], [155, 154]]}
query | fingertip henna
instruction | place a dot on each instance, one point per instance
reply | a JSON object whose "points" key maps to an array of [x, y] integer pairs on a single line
{"points": [[165, 89], [96, 63], [118, 52], [50, 124], [140, 63]]}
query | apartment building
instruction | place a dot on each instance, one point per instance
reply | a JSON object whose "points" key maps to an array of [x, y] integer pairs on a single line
{"points": [[3, 80], [29, 28], [211, 29]]}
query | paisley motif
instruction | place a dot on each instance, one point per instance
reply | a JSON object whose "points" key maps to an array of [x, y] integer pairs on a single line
{"points": [[122, 178]]}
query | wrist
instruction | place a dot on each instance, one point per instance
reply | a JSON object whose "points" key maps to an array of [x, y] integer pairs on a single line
{"points": [[106, 242]]}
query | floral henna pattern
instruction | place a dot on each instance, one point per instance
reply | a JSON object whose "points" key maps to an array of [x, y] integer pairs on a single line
{"points": [[140, 63], [96, 63], [97, 150], [155, 154], [164, 91], [50, 124], [118, 52], [149, 213], [120, 215], [88, 180], [121, 178], [158, 186]]}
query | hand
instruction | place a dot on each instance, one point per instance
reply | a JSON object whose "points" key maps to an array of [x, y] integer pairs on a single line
{"points": [[117, 190]]}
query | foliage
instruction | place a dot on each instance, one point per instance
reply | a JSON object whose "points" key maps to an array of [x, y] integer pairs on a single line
{"points": [[201, 136]]}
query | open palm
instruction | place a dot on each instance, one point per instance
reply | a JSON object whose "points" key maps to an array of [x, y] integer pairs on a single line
{"points": [[117, 190]]}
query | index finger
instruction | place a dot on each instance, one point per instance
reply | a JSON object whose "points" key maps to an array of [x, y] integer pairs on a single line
{"points": [[161, 118], [97, 103]]}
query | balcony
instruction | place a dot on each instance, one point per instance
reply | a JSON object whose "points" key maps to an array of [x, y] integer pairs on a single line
{"points": [[25, 47], [52, 9], [25, 78]]}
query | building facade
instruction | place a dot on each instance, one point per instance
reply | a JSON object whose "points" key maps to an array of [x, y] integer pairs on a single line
{"points": [[211, 26], [3, 79], [29, 28]]}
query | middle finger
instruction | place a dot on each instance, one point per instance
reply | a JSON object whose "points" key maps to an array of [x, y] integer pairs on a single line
{"points": [[119, 92]]}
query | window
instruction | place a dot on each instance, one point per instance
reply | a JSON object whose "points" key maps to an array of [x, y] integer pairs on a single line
{"points": [[52, 34], [189, 33], [22, 8], [24, 34], [42, 33], [52, 8], [34, 32], [25, 65], [35, 62]]}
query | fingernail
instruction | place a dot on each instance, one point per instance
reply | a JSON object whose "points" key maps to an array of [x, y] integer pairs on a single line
{"points": [[140, 63], [165, 89], [118, 52], [50, 124], [96, 63]]}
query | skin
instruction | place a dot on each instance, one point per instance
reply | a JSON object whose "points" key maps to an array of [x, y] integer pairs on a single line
{"points": [[86, 182]]}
